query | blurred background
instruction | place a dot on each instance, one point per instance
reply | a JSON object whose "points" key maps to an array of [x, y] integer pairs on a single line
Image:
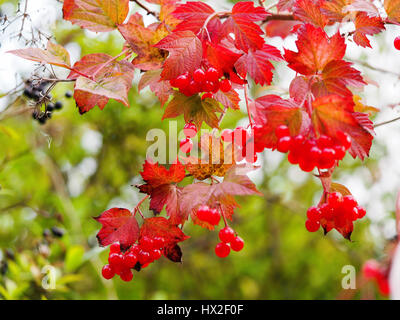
{"points": [[55, 177]]}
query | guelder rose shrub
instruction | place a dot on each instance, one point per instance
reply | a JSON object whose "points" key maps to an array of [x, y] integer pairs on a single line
{"points": [[196, 61]]}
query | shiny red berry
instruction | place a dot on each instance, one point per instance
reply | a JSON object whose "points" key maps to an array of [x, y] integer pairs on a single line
{"points": [[115, 259], [206, 95], [212, 74], [190, 130], [146, 243], [226, 234], [126, 275], [182, 82], [313, 214], [284, 144], [282, 131], [312, 225], [107, 272], [130, 260], [237, 244], [115, 248], [225, 85], [222, 249], [214, 217], [344, 139], [155, 254], [159, 242], [199, 76]]}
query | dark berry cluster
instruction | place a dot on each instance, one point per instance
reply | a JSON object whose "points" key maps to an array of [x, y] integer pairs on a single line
{"points": [[136, 257], [190, 130], [309, 153], [207, 81], [37, 91], [209, 215], [43, 116], [338, 212], [246, 142], [229, 240]]}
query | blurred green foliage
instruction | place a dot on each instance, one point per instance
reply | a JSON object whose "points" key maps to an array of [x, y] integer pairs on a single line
{"points": [[38, 165]]}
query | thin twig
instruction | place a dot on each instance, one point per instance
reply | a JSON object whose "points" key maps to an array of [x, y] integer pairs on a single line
{"points": [[386, 122], [145, 8]]}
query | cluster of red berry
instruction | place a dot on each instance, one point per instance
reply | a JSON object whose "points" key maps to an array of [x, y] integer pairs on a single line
{"points": [[207, 214], [310, 153], [229, 240], [337, 212], [139, 255], [372, 270], [207, 81], [245, 141], [189, 130]]}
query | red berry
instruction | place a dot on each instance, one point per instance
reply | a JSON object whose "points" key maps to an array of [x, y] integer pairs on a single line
{"points": [[115, 259], [327, 158], [146, 243], [190, 130], [115, 248], [313, 214], [225, 85], [306, 165], [284, 144], [383, 285], [203, 212], [344, 139], [182, 82], [215, 86], [155, 254], [240, 136], [159, 242], [227, 135], [214, 217], [130, 260], [144, 257], [334, 199], [282, 131], [226, 234], [212, 74], [193, 87], [107, 272], [324, 141], [186, 145], [237, 244], [222, 250], [397, 43], [199, 76], [312, 225], [340, 152], [206, 95], [126, 275], [361, 212], [349, 202]]}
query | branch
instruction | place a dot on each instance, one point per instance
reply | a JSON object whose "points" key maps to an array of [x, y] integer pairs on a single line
{"points": [[386, 122], [279, 16], [145, 8]]}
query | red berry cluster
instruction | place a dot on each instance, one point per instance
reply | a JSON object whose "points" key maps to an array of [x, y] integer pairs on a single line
{"points": [[246, 142], [139, 255], [207, 81], [309, 153], [207, 214], [372, 270], [337, 212], [189, 130], [229, 240]]}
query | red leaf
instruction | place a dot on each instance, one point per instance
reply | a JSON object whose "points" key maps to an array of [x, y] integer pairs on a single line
{"points": [[241, 23], [142, 40], [366, 25], [315, 50], [228, 99], [118, 225], [160, 185], [286, 5], [162, 227], [193, 15], [106, 79], [332, 114], [309, 11], [221, 57], [185, 54], [257, 64], [54, 54], [96, 15]]}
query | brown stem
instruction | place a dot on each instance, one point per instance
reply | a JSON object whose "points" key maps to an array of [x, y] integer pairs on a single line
{"points": [[145, 8], [386, 122]]}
